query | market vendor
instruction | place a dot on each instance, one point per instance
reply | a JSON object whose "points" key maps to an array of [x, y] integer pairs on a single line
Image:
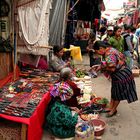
{"points": [[60, 120], [56, 63]]}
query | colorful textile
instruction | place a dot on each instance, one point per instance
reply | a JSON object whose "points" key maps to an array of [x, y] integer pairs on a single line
{"points": [[62, 90], [35, 122], [60, 120], [42, 64], [113, 58], [76, 92]]}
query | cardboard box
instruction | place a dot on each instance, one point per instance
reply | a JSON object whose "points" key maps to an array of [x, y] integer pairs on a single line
{"points": [[136, 72]]}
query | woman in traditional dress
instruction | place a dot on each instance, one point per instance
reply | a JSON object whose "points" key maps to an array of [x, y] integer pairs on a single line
{"points": [[122, 80], [60, 118]]}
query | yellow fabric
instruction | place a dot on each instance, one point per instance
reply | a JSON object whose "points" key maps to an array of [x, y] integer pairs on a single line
{"points": [[75, 52]]}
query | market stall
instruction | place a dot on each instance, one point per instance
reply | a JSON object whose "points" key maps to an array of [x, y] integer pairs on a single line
{"points": [[25, 100], [24, 96], [83, 17]]}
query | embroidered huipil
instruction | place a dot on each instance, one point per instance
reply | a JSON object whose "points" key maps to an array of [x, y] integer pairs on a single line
{"points": [[112, 58]]}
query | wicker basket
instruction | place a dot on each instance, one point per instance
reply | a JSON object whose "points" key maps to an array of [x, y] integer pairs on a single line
{"points": [[85, 135], [10, 130]]}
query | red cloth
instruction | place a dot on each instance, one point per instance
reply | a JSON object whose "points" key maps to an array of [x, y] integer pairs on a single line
{"points": [[73, 100], [35, 122], [42, 64]]}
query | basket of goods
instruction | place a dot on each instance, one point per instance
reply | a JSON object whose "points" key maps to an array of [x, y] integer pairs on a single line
{"points": [[90, 112], [84, 131], [99, 126], [101, 101], [80, 74], [90, 116]]}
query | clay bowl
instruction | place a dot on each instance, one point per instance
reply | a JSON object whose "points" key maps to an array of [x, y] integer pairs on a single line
{"points": [[99, 126]]}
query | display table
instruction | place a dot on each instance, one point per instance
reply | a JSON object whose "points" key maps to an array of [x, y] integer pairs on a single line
{"points": [[34, 124]]}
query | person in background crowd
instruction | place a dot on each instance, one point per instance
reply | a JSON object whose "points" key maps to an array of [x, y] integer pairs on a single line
{"points": [[117, 41], [56, 63], [60, 120], [128, 48], [93, 59], [122, 85], [135, 42], [138, 31], [92, 38], [102, 31], [109, 33]]}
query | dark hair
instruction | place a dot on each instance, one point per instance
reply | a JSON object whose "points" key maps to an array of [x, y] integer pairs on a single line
{"points": [[103, 29], [127, 27], [116, 28], [99, 44], [133, 29], [57, 49], [92, 35]]}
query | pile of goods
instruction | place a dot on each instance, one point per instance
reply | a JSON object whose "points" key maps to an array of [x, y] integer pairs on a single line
{"points": [[20, 98], [80, 73], [84, 131], [101, 101], [87, 117]]}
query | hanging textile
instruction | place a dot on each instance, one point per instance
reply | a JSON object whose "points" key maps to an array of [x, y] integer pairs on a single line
{"points": [[57, 22], [34, 26]]}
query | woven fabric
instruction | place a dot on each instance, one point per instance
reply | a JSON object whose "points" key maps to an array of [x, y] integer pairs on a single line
{"points": [[60, 121], [62, 90]]}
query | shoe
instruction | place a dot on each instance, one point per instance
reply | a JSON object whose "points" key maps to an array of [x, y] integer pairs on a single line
{"points": [[111, 115], [106, 110]]}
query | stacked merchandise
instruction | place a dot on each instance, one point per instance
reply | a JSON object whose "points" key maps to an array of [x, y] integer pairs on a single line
{"points": [[20, 98]]}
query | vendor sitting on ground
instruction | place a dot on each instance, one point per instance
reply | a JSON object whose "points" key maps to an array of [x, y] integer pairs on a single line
{"points": [[59, 120], [57, 63]]}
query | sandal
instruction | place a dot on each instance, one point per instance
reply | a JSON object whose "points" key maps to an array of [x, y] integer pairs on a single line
{"points": [[111, 115], [106, 110]]}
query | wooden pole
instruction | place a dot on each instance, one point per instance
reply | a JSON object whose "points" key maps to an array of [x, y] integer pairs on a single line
{"points": [[15, 38]]}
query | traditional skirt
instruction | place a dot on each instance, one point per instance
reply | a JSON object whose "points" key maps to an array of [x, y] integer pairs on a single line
{"points": [[123, 86]]}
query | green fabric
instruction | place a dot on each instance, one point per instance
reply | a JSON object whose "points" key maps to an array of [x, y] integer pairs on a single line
{"points": [[60, 121], [117, 44]]}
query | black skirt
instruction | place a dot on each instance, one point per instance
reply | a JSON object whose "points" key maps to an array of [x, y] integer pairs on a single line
{"points": [[123, 86]]}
